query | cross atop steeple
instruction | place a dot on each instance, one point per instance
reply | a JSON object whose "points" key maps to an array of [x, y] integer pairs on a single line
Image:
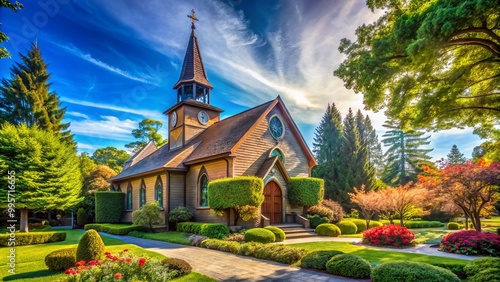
{"points": [[193, 18]]}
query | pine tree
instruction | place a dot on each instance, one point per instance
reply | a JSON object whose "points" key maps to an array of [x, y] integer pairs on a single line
{"points": [[364, 168], [405, 156], [26, 97], [375, 154], [455, 156], [326, 147]]}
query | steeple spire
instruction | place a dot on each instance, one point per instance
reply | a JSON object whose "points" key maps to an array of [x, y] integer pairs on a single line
{"points": [[193, 82]]}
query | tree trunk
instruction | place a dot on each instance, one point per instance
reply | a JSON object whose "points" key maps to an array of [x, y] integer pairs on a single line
{"points": [[367, 222], [466, 222], [236, 217], [23, 225], [477, 221]]}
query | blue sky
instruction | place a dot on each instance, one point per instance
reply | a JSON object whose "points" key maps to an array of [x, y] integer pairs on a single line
{"points": [[114, 63]]}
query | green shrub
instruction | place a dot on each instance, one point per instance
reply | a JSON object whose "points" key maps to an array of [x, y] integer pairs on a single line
{"points": [[278, 233], [242, 194], [260, 235], [411, 272], [422, 224], [147, 215], [336, 208], [457, 269], [108, 206], [248, 249], [374, 224], [279, 253], [480, 264], [315, 220], [361, 224], [349, 266], [328, 229], [318, 259], [211, 230], [453, 226], [182, 267], [61, 259], [180, 214], [90, 246], [347, 227], [33, 238], [81, 217], [116, 229], [487, 275], [304, 191], [221, 245], [321, 211]]}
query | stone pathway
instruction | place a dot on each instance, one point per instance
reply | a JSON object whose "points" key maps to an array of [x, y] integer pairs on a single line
{"points": [[229, 267]]}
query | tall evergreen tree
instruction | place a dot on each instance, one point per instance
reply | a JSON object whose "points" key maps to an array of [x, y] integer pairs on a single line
{"points": [[455, 156], [375, 154], [326, 147], [405, 155], [364, 168], [26, 96]]}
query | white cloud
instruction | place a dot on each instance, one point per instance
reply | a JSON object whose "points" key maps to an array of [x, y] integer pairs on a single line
{"points": [[77, 114], [108, 127], [85, 147]]}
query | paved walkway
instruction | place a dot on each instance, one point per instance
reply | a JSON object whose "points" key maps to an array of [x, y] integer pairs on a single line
{"points": [[229, 267]]}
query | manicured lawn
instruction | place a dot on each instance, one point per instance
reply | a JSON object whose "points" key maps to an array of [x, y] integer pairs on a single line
{"points": [[377, 256], [31, 265], [171, 237]]}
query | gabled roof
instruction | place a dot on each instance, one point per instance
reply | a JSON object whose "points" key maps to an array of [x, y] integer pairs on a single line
{"points": [[192, 68], [268, 165], [195, 103], [144, 152]]}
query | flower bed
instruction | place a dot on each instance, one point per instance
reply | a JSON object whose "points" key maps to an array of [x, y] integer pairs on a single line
{"points": [[388, 235], [471, 242], [124, 266]]}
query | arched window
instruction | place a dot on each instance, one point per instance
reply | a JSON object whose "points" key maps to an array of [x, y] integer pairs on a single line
{"points": [[129, 196], [159, 192], [204, 191], [279, 153], [142, 194]]}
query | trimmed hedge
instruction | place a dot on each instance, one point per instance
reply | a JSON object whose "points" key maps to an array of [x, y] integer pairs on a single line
{"points": [[221, 245], [33, 238], [90, 247], [318, 259], [328, 229], [374, 224], [349, 266], [453, 226], [487, 275], [422, 224], [477, 265], [278, 233], [411, 272], [304, 191], [260, 235], [116, 229], [108, 206], [61, 259], [361, 224], [347, 227], [315, 220], [81, 217], [211, 230]]}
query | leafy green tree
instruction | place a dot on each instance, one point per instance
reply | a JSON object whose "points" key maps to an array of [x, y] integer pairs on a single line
{"points": [[455, 156], [434, 64], [149, 215], [147, 131], [46, 170], [95, 180], [86, 164], [26, 97], [489, 150], [327, 149], [111, 157], [16, 6], [405, 154]]}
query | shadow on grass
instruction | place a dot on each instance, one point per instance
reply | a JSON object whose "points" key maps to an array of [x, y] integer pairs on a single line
{"points": [[33, 274]]}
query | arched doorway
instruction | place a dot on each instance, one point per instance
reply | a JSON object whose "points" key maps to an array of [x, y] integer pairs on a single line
{"points": [[272, 207]]}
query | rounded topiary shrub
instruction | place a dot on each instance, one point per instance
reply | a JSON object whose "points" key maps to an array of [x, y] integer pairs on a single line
{"points": [[349, 266], [278, 233], [315, 220], [61, 259], [453, 226], [328, 229], [347, 227], [471, 242], [260, 235], [360, 224], [180, 214], [477, 265], [388, 235], [487, 275], [318, 259], [181, 267], [375, 224], [411, 272], [90, 247]]}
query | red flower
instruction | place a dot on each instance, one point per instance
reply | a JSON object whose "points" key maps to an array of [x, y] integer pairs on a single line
{"points": [[92, 262], [142, 261], [118, 275], [80, 263], [126, 250], [128, 259], [70, 271]]}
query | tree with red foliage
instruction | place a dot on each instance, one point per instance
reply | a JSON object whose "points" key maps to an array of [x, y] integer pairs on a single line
{"points": [[367, 201], [471, 186]]}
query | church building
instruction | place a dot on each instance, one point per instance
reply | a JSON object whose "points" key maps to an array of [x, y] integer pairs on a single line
{"points": [[263, 141]]}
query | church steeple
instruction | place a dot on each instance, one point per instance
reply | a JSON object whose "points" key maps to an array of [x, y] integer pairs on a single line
{"points": [[193, 82]]}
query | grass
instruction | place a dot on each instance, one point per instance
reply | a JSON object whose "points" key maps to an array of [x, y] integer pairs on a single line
{"points": [[377, 256], [30, 264], [171, 236]]}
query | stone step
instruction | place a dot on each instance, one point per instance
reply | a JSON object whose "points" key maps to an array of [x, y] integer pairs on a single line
{"points": [[288, 226], [304, 234], [297, 230]]}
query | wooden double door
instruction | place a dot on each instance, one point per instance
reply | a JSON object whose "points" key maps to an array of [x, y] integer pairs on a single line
{"points": [[272, 207]]}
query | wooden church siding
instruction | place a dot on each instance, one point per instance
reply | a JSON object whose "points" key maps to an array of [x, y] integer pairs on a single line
{"points": [[215, 170], [176, 190]]}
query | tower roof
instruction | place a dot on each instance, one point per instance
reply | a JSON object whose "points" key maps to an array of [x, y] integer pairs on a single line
{"points": [[192, 68]]}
